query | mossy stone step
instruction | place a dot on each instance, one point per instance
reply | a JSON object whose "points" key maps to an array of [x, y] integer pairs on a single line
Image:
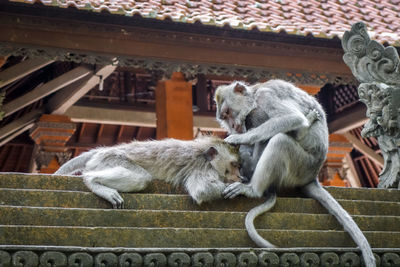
{"points": [[181, 237], [11, 215], [74, 183], [71, 199]]}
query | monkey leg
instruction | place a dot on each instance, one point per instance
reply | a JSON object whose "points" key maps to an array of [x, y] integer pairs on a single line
{"points": [[283, 162], [106, 183]]}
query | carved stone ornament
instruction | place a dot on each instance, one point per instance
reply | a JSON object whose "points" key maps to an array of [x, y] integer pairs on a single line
{"points": [[378, 70], [79, 256]]}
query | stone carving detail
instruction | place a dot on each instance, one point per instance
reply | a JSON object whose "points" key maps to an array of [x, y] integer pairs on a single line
{"points": [[166, 67], [309, 259], [225, 259], [268, 259], [390, 259], [130, 259], [329, 259], [80, 259], [105, 259], [155, 259], [248, 259], [25, 259], [188, 258], [5, 259], [289, 259], [179, 259], [204, 259], [378, 70], [349, 259], [53, 259]]}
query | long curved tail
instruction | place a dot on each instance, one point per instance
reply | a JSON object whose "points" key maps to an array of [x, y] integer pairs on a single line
{"points": [[317, 192], [252, 214], [75, 165]]}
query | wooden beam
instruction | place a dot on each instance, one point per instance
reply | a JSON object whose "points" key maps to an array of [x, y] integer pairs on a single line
{"points": [[352, 175], [3, 60], [22, 69], [63, 100], [151, 43], [348, 119], [86, 114], [17, 124], [366, 150], [45, 90], [16, 133]]}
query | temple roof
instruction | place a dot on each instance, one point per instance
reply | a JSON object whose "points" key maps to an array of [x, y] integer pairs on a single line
{"points": [[322, 19]]}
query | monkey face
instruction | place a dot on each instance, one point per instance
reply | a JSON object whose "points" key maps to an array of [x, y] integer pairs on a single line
{"points": [[226, 162], [234, 102]]}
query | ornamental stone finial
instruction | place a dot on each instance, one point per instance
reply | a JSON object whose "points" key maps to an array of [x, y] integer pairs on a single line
{"points": [[377, 68]]}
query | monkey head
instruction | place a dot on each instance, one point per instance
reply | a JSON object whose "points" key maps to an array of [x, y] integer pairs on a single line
{"points": [[234, 102], [224, 158]]}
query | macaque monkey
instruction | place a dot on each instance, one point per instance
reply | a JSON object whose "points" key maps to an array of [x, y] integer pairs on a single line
{"points": [[281, 148], [202, 166]]}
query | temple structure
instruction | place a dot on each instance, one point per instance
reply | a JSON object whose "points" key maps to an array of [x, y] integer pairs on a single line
{"points": [[79, 74]]}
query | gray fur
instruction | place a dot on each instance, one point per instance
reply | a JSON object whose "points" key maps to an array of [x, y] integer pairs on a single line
{"points": [[288, 150], [202, 166]]}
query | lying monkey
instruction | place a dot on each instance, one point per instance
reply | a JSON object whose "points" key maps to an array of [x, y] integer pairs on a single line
{"points": [[202, 166], [264, 118]]}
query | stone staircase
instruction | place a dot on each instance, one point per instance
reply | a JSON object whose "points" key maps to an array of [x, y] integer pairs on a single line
{"points": [[55, 221]]}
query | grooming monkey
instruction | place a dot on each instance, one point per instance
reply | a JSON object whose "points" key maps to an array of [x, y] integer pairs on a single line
{"points": [[202, 166], [267, 119]]}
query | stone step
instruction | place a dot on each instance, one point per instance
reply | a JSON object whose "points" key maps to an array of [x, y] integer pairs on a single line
{"points": [[11, 215], [181, 237], [71, 199], [74, 183]]}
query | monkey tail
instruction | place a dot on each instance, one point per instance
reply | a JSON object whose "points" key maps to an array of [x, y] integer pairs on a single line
{"points": [[317, 192], [74, 165], [252, 214]]}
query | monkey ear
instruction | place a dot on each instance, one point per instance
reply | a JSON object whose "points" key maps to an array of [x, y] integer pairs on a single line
{"points": [[211, 153], [239, 89]]}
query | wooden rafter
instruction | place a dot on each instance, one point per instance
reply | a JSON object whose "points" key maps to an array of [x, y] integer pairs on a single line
{"points": [[22, 69], [367, 151], [64, 99], [16, 133], [130, 117], [46, 89], [19, 123], [348, 119]]}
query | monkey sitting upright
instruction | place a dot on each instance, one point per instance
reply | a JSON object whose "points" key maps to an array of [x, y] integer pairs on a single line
{"points": [[202, 166], [265, 118]]}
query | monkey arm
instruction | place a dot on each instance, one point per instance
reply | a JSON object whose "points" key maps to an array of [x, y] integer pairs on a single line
{"points": [[204, 186], [268, 129]]}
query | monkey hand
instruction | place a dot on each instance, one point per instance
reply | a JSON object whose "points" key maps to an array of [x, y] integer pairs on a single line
{"points": [[235, 189], [236, 139]]}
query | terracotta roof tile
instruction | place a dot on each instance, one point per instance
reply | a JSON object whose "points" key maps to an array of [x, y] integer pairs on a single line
{"points": [[324, 18]]}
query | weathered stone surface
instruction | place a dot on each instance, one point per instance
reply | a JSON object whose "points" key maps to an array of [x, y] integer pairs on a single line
{"points": [[10, 215], [59, 211], [74, 183], [70, 199], [181, 237]]}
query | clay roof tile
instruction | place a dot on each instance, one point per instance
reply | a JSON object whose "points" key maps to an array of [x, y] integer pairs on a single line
{"points": [[320, 18]]}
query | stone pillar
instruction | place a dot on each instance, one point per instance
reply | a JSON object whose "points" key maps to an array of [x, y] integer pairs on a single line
{"points": [[333, 172], [174, 108], [51, 133]]}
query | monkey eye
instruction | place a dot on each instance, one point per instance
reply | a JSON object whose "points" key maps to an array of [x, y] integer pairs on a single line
{"points": [[235, 164]]}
